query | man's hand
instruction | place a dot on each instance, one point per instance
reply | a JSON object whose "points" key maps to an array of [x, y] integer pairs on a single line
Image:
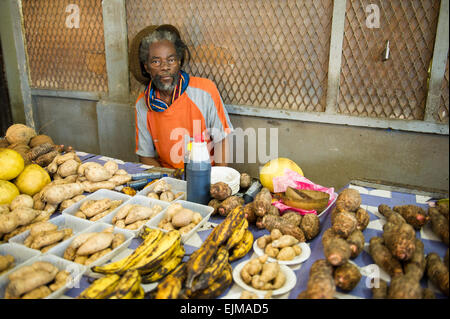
{"points": [[149, 161]]}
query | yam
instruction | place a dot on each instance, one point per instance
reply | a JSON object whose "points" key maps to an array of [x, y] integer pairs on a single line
{"points": [[112, 167], [439, 224], [320, 283], [383, 258], [229, 204], [22, 200], [437, 272], [337, 252], [91, 187], [96, 207], [356, 242], [120, 179], [362, 218], [292, 217], [262, 202], [39, 150], [245, 181], [404, 287], [97, 174], [139, 213], [344, 224], [414, 215], [271, 222]]}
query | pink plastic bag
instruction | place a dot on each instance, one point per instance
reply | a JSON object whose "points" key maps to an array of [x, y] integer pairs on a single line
{"points": [[297, 181]]}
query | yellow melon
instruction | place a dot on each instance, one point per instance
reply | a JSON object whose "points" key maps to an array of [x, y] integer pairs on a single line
{"points": [[11, 164], [275, 168], [8, 191], [32, 179]]}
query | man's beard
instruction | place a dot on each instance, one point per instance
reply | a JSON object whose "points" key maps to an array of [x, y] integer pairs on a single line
{"points": [[166, 87]]}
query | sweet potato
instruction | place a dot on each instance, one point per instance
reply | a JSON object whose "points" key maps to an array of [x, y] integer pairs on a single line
{"points": [[271, 222], [111, 167], [320, 283], [96, 207], [344, 224], [91, 187], [310, 224], [439, 224], [97, 174], [347, 276], [61, 279], [38, 293], [356, 242], [383, 257], [220, 191], [229, 204], [348, 200], [120, 179], [86, 165], [47, 238], [68, 168], [337, 252], [139, 213], [35, 279], [414, 215], [55, 194], [437, 272], [95, 243], [6, 262]]}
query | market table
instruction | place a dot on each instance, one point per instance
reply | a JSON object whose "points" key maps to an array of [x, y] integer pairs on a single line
{"points": [[371, 198]]}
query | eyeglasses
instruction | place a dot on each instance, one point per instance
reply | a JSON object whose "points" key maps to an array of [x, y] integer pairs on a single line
{"points": [[158, 63]]}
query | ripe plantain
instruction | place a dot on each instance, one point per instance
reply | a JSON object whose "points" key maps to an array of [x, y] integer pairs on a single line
{"points": [[120, 266], [100, 288], [199, 260], [217, 287], [224, 230], [243, 247], [165, 247], [237, 234], [127, 286], [165, 267], [169, 288], [306, 199], [213, 271], [139, 294]]}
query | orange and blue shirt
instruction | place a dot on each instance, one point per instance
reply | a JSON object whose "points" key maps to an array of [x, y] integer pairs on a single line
{"points": [[198, 110]]}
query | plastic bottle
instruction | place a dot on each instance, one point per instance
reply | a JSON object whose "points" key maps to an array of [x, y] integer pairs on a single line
{"points": [[198, 173], [250, 194]]}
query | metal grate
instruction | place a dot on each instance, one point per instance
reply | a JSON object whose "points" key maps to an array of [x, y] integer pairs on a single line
{"points": [[259, 53], [60, 57], [396, 88], [443, 108]]}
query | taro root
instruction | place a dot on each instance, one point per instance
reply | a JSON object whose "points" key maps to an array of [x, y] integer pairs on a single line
{"points": [[345, 223], [310, 224], [220, 190], [245, 181], [320, 283], [349, 199], [347, 276], [414, 215], [337, 252]]}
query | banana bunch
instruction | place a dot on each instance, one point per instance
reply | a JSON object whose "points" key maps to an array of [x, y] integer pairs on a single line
{"points": [[208, 272], [114, 286], [157, 255]]}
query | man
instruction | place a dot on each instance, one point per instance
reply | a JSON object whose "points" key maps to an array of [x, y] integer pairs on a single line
{"points": [[175, 104]]}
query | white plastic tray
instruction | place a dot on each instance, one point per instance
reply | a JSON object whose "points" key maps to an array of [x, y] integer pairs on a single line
{"points": [[177, 185], [59, 250], [76, 272], [204, 210], [62, 221], [100, 194], [20, 253], [137, 200]]}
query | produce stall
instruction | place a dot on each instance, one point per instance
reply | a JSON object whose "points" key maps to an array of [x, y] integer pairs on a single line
{"points": [[304, 242]]}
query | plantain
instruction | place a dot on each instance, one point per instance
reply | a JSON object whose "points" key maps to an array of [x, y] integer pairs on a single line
{"points": [[217, 287], [213, 271], [165, 267], [305, 199], [139, 294], [128, 285], [151, 240], [237, 234], [100, 288], [165, 247], [224, 230], [169, 288], [243, 247], [199, 260]]}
